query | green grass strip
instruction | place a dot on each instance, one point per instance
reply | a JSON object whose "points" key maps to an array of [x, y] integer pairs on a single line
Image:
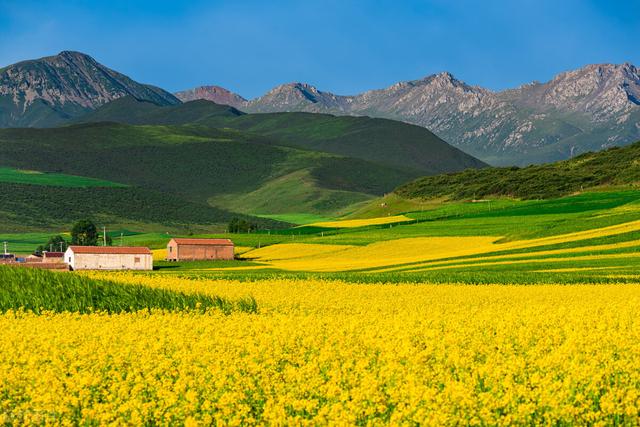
{"points": [[40, 290]]}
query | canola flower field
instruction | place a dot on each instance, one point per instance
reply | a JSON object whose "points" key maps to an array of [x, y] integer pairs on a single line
{"points": [[367, 323], [330, 352]]}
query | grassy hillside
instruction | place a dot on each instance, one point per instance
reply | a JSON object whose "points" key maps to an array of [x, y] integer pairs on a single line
{"points": [[53, 179], [612, 167], [26, 207], [386, 142], [135, 112], [231, 169]]}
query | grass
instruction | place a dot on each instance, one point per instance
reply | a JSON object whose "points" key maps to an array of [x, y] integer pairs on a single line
{"points": [[25, 207], [235, 170], [38, 290], [297, 218], [51, 179], [406, 148], [297, 190], [615, 166]]}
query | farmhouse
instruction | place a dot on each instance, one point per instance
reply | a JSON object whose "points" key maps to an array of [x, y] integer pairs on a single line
{"points": [[199, 249], [53, 256], [108, 258]]}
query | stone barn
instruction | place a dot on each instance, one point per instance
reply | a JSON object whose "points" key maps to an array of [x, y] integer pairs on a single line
{"points": [[199, 249], [108, 258]]}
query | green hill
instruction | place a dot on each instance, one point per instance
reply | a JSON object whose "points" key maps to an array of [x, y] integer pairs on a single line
{"points": [[25, 207], [130, 110], [386, 142], [612, 167], [207, 171]]}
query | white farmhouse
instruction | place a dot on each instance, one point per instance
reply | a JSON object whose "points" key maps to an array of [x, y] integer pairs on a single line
{"points": [[108, 258]]}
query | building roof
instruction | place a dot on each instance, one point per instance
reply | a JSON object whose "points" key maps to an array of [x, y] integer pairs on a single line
{"points": [[53, 254], [211, 242], [125, 250]]}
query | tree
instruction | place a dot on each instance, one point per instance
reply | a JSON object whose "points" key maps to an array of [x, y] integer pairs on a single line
{"points": [[84, 233], [101, 240], [55, 244], [237, 225]]}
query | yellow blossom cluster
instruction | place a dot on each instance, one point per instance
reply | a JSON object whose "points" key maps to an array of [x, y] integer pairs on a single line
{"points": [[330, 352]]}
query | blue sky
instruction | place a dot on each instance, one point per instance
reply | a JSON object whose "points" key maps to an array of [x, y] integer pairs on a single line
{"points": [[340, 46]]}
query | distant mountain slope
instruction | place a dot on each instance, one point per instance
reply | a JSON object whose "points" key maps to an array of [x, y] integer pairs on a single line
{"points": [[615, 166], [51, 90], [385, 142], [200, 164], [216, 94], [129, 110], [592, 108]]}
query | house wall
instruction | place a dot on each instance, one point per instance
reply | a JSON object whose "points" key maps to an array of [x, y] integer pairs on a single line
{"points": [[110, 261], [199, 252], [172, 251]]}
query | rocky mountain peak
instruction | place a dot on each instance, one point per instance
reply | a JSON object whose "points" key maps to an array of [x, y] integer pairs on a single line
{"points": [[216, 94], [46, 91]]}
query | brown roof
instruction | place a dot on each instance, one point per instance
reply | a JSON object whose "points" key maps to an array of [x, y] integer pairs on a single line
{"points": [[137, 250], [212, 242], [54, 254]]}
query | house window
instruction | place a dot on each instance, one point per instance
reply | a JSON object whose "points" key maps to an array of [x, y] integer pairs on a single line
{"points": [[170, 249], [136, 260]]}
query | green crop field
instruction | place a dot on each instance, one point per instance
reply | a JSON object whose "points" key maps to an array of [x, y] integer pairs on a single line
{"points": [[38, 291]]}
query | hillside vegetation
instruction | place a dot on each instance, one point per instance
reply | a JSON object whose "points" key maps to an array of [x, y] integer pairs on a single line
{"points": [[386, 142], [26, 207], [188, 168], [615, 166], [53, 179]]}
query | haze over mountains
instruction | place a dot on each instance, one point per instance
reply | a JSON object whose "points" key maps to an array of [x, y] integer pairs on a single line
{"points": [[592, 108]]}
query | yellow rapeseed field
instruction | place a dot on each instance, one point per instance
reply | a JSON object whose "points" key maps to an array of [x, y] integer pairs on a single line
{"points": [[317, 257], [159, 254], [329, 352], [350, 223], [433, 252]]}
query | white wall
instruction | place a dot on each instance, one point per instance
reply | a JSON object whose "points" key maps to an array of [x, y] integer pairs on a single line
{"points": [[109, 261]]}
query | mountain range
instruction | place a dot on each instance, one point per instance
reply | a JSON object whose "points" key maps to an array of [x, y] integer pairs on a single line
{"points": [[592, 108], [589, 109]]}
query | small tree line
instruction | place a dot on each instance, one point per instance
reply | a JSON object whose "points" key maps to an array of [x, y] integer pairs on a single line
{"points": [[83, 233]]}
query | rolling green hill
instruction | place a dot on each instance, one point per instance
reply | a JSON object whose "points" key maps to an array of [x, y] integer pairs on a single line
{"points": [[25, 207], [612, 167], [130, 110], [207, 171], [386, 142], [8, 175]]}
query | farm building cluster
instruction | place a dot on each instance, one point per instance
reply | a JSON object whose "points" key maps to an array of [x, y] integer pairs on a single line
{"points": [[124, 257]]}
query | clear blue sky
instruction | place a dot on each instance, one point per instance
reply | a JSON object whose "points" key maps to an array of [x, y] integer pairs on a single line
{"points": [[341, 46]]}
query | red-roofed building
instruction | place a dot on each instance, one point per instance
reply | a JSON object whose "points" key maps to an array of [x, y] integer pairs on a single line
{"points": [[199, 249], [108, 258]]}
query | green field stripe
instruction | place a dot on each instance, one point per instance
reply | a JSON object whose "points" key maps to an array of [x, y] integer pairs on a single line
{"points": [[17, 176]]}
